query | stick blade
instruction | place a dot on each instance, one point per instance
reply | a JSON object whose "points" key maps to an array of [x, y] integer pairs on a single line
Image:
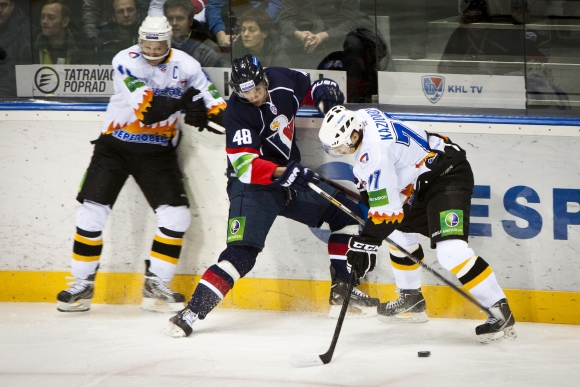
{"points": [[305, 360]]}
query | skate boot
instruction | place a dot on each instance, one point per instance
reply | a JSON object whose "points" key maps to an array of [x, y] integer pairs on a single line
{"points": [[77, 298], [181, 324], [492, 328], [408, 308], [157, 297], [360, 304]]}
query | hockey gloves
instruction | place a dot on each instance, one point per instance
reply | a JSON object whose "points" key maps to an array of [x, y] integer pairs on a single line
{"points": [[361, 255], [195, 111], [297, 176], [160, 109], [326, 94]]}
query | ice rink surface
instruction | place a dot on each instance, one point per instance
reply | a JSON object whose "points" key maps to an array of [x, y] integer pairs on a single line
{"points": [[122, 346]]}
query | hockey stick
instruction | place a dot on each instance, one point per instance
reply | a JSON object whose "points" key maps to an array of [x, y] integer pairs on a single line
{"points": [[314, 360], [217, 127], [340, 188], [328, 197]]}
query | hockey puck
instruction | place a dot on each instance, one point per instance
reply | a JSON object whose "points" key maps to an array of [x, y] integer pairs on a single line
{"points": [[423, 353]]}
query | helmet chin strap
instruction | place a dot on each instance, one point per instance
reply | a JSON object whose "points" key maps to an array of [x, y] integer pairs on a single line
{"points": [[149, 57]]}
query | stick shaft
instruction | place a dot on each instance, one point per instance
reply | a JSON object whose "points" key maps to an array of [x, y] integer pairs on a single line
{"points": [[340, 188], [324, 194]]}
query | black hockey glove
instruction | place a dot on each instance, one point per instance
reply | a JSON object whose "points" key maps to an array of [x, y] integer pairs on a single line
{"points": [[326, 94], [161, 109], [194, 106], [297, 176], [361, 255]]}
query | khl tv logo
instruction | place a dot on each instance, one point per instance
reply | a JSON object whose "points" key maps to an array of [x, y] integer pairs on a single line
{"points": [[433, 87]]}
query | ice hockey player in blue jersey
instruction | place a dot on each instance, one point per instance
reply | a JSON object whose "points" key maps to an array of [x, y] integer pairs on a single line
{"points": [[264, 171], [415, 183]]}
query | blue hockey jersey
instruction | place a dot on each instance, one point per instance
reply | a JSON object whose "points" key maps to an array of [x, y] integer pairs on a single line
{"points": [[259, 139]]}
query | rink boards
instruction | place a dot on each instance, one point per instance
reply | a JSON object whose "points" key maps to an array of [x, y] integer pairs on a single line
{"points": [[526, 219]]}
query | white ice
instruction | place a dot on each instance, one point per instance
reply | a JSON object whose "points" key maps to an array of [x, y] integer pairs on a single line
{"points": [[122, 346]]}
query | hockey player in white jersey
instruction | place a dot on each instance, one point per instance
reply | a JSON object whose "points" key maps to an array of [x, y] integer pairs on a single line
{"points": [[415, 183], [140, 133]]}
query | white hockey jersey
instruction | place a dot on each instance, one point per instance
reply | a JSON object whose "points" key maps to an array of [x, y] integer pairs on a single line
{"points": [[391, 156], [136, 82]]}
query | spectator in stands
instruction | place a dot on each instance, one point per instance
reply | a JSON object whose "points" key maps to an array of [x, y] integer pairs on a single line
{"points": [[56, 44], [189, 35], [217, 16], [96, 13], [15, 44], [156, 9], [257, 37], [320, 26], [121, 32]]}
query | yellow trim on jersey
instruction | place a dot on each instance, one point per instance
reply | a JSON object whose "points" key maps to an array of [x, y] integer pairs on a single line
{"points": [[169, 241], [380, 218], [86, 241], [84, 258], [214, 110], [477, 280], [147, 98], [165, 258]]}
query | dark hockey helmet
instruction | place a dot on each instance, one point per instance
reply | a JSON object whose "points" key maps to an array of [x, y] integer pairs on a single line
{"points": [[247, 73]]}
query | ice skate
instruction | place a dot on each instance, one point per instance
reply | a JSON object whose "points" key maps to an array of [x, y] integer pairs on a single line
{"points": [[408, 308], [77, 298], [157, 297], [360, 304], [493, 328], [181, 324]]}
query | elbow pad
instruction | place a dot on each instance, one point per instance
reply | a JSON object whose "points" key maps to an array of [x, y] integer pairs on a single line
{"points": [[161, 109]]}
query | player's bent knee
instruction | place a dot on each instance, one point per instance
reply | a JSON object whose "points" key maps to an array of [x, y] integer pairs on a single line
{"points": [[175, 218], [409, 242], [337, 219], [453, 252], [237, 261], [92, 216]]}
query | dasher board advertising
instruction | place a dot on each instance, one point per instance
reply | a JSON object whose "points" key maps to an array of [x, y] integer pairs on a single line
{"points": [[452, 90], [64, 80]]}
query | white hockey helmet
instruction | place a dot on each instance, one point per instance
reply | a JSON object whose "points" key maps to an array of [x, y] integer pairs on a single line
{"points": [[337, 126], [155, 29]]}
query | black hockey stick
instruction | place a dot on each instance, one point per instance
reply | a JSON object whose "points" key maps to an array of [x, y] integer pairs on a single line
{"points": [[314, 360], [340, 188], [324, 194]]}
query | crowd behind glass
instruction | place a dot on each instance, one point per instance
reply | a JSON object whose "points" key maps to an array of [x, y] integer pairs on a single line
{"points": [[340, 35]]}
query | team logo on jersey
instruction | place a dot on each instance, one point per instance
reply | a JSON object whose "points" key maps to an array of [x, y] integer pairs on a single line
{"points": [[273, 109], [46, 80], [433, 87], [183, 82], [283, 134], [236, 227], [451, 222], [134, 54], [365, 158], [162, 67]]}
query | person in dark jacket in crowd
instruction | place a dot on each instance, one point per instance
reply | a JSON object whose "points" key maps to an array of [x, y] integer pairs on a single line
{"points": [[257, 37], [121, 32], [189, 35], [14, 45], [56, 44], [96, 13]]}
